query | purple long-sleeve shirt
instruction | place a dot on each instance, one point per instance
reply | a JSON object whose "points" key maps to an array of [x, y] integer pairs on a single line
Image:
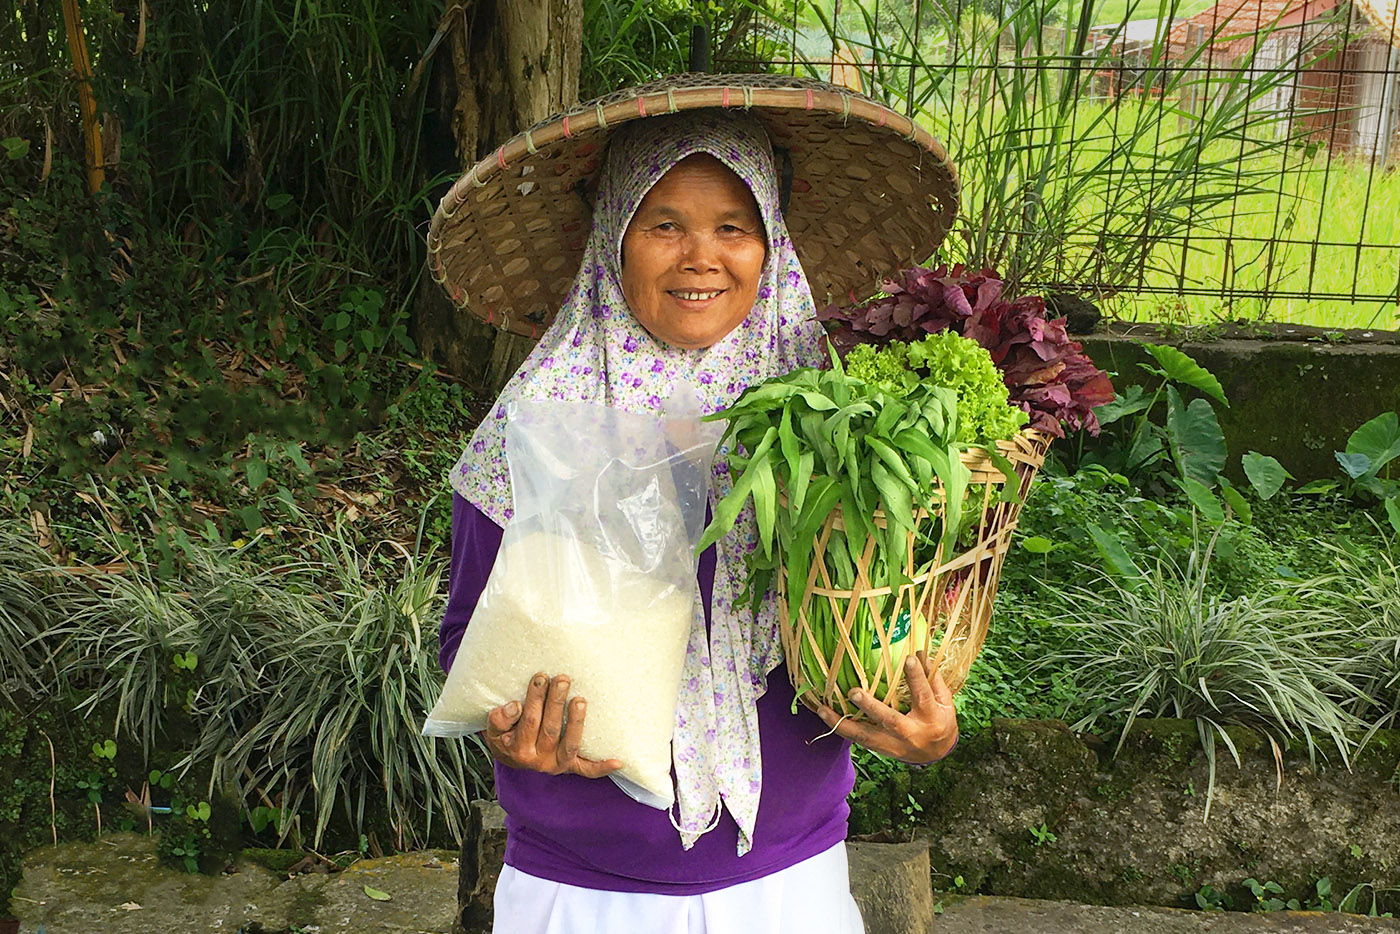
{"points": [[587, 832]]}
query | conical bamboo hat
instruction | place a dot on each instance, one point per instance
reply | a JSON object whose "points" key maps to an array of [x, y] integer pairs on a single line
{"points": [[1384, 15], [870, 192]]}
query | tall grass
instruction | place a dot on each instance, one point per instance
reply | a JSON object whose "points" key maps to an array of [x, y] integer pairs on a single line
{"points": [[1068, 188], [355, 679]]}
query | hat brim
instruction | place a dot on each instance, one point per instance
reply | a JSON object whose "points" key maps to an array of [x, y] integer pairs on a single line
{"points": [[872, 192], [1384, 16]]}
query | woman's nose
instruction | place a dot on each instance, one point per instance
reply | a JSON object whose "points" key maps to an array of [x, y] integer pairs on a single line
{"points": [[700, 254]]}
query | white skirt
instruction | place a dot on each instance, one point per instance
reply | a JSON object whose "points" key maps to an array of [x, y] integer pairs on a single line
{"points": [[813, 895]]}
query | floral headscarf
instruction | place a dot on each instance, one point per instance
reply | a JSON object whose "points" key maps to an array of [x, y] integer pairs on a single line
{"points": [[596, 351]]}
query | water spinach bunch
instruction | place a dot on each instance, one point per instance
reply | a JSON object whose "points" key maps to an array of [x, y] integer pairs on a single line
{"points": [[878, 439]]}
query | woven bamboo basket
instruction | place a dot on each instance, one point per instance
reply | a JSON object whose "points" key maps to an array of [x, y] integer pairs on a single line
{"points": [[946, 606]]}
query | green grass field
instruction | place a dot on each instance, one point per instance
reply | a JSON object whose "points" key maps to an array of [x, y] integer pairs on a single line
{"points": [[1313, 202]]}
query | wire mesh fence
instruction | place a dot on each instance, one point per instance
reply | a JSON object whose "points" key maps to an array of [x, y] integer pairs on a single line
{"points": [[1180, 160]]}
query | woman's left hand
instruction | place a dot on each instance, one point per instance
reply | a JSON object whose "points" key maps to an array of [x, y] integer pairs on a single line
{"points": [[925, 734]]}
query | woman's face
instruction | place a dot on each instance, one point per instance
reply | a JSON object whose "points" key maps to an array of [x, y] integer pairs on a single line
{"points": [[693, 253]]}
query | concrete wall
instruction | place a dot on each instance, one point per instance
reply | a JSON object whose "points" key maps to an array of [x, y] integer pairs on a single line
{"points": [[1295, 393]]}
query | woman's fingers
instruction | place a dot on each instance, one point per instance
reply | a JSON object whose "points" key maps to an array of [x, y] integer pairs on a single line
{"points": [[569, 759], [921, 697], [531, 714], [573, 732], [593, 768], [552, 720]]}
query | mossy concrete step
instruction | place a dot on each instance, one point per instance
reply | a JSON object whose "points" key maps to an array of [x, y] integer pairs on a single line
{"points": [[987, 914], [117, 885]]}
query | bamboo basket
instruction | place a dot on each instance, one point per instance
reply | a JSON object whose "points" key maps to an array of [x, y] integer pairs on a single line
{"points": [[951, 594]]}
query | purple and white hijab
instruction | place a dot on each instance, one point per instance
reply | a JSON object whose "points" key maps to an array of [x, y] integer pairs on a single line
{"points": [[596, 351]]}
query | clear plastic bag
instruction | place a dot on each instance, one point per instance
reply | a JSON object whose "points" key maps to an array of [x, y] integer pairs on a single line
{"points": [[595, 579]]}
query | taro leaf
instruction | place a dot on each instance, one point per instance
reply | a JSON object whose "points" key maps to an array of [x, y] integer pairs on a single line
{"points": [[377, 894], [1197, 443], [1111, 549], [1038, 545], [1180, 368], [1392, 512], [1236, 501], [1355, 465], [1316, 487], [1204, 500], [1265, 474], [1130, 402], [1378, 440]]}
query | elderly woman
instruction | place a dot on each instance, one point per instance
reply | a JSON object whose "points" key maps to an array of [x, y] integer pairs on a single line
{"points": [[688, 274]]}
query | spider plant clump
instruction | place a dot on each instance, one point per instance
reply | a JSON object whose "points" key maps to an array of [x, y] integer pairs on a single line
{"points": [[1364, 589], [1165, 644], [355, 673], [29, 605]]}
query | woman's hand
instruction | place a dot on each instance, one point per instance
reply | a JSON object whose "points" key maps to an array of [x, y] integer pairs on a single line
{"points": [[536, 737], [925, 734]]}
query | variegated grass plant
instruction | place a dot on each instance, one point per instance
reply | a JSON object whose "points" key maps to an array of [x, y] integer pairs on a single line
{"points": [[1165, 644], [1364, 589], [306, 680], [354, 678], [28, 608]]}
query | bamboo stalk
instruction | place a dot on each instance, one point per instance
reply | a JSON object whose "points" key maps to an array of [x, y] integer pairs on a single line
{"points": [[87, 101]]}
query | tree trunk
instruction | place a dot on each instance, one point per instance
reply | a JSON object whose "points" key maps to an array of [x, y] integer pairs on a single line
{"points": [[514, 62]]}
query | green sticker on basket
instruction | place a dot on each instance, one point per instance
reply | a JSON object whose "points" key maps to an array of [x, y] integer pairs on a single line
{"points": [[897, 635]]}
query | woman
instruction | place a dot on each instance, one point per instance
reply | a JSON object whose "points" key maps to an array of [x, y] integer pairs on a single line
{"points": [[688, 275]]}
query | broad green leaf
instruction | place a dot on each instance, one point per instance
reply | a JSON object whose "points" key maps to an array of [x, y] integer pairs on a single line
{"points": [[252, 518], [1265, 474], [894, 498], [893, 462], [1236, 501], [1197, 443], [1111, 549], [1378, 439], [787, 440], [257, 473], [1180, 368], [727, 510], [1355, 465], [1392, 512], [1204, 500], [377, 894], [800, 481], [1038, 545], [1316, 487], [1129, 402]]}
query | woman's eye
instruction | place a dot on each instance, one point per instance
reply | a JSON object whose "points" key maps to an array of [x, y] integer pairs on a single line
{"points": [[666, 225]]}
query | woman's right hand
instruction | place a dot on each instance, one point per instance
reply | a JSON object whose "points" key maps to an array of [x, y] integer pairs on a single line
{"points": [[536, 738]]}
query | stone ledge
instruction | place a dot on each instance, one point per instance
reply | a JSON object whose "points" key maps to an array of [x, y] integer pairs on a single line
{"points": [[1295, 393]]}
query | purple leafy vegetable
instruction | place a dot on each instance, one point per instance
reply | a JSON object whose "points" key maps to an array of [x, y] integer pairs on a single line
{"points": [[1046, 373]]}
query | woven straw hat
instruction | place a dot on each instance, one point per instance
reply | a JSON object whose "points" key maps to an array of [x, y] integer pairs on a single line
{"points": [[868, 192], [1385, 17]]}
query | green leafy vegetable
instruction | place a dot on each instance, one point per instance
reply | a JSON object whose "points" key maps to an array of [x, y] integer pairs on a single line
{"points": [[882, 441]]}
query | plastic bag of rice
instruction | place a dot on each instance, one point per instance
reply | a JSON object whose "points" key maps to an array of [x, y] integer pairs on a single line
{"points": [[595, 578]]}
